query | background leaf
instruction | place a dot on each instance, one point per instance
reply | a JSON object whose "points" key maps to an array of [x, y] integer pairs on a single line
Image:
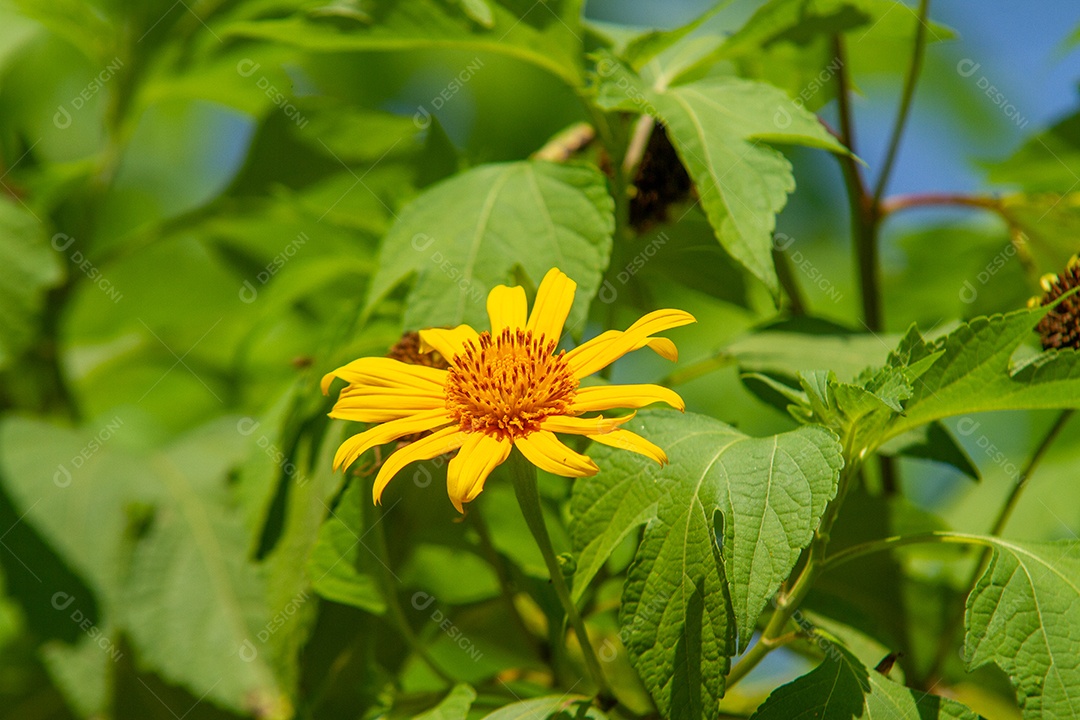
{"points": [[455, 706], [340, 564], [718, 126], [30, 267], [547, 41], [842, 687], [543, 708]]}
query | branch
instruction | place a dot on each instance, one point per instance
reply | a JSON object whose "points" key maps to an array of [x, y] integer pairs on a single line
{"points": [[906, 98]]}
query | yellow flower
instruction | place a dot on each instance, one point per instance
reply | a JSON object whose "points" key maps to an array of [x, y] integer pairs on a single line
{"points": [[504, 388]]}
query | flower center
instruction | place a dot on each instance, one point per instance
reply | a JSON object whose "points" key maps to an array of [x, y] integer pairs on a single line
{"points": [[508, 384]]}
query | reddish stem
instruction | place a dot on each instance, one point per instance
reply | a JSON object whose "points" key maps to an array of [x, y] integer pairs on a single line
{"points": [[903, 202]]}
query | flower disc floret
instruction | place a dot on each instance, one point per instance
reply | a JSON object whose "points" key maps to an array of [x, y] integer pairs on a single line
{"points": [[507, 385]]}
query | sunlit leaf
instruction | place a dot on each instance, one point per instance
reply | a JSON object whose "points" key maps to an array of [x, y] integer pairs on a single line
{"points": [[1024, 615], [466, 234], [725, 523], [977, 372]]}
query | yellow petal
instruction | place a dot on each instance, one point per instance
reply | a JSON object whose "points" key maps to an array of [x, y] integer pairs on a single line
{"points": [[664, 348], [546, 452], [596, 346], [385, 372], [385, 404], [606, 348], [626, 440], [439, 442], [479, 455], [391, 394], [624, 396], [554, 298], [583, 426], [373, 415], [448, 342], [360, 443], [506, 308]]}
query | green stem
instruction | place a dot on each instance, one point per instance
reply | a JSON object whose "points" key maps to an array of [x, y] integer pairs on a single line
{"points": [[393, 603], [897, 541], [906, 98], [523, 475], [947, 637], [789, 282]]}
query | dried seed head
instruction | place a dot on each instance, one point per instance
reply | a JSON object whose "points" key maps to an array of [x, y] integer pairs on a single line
{"points": [[1061, 326], [407, 350]]}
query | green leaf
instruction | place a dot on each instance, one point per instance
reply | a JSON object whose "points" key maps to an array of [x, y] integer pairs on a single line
{"points": [[1024, 616], [726, 521], [455, 706], [788, 43], [798, 346], [666, 55], [82, 25], [85, 477], [691, 257], [84, 672], [30, 267], [1050, 223], [932, 442], [194, 606], [543, 39], [340, 564], [976, 373], [480, 12], [454, 576], [464, 235], [308, 484], [606, 512], [1048, 162], [718, 126], [859, 412], [546, 707], [184, 594], [841, 688]]}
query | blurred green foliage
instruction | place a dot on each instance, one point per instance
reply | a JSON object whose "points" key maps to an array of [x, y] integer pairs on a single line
{"points": [[205, 206]]}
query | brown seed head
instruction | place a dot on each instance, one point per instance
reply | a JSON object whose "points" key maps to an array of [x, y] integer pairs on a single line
{"points": [[1061, 326]]}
